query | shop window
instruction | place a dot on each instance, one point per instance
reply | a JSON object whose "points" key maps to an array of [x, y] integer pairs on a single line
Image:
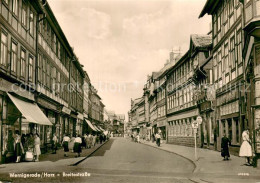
{"points": [[230, 129], [223, 127], [3, 58], [237, 130]]}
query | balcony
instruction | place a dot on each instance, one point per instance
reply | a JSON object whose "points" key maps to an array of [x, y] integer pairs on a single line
{"points": [[252, 17]]}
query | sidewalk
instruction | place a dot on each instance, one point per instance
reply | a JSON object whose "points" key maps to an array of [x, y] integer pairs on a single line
{"points": [[48, 160], [209, 161]]}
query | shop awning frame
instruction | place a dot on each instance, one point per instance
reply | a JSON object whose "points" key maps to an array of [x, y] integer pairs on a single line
{"points": [[30, 111], [90, 125]]}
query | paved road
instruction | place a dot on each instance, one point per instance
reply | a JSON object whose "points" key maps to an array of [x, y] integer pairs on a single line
{"points": [[119, 160]]}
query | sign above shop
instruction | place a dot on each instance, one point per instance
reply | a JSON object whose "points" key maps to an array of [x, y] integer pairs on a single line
{"points": [[66, 110]]}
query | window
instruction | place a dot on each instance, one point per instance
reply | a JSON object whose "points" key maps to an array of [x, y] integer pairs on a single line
{"points": [[40, 68], [53, 78], [58, 82], [232, 52], [13, 56], [31, 22], [15, 7], [30, 69], [23, 62], [239, 47], [48, 75], [24, 13], [44, 63], [3, 57]]}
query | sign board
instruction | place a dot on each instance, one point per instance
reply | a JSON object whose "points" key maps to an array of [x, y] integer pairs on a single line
{"points": [[195, 124], [199, 119]]}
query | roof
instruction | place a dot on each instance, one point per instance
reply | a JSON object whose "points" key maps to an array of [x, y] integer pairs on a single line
{"points": [[209, 7], [201, 41]]}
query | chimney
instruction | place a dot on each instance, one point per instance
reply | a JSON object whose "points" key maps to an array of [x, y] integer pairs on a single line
{"points": [[171, 56]]}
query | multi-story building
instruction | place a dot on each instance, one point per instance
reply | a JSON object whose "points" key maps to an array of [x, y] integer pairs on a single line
{"points": [[227, 35], [181, 105], [17, 67], [134, 115], [40, 73], [251, 52]]}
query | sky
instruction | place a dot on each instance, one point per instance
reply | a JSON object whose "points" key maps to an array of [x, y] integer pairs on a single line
{"points": [[120, 42]]}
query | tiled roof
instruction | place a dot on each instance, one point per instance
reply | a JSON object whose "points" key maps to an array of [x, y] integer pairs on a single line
{"points": [[201, 41]]}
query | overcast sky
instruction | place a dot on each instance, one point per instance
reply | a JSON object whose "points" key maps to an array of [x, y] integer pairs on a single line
{"points": [[120, 42]]}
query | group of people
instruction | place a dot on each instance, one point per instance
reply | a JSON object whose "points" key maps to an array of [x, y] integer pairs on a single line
{"points": [[79, 142], [26, 147], [155, 137], [245, 148]]}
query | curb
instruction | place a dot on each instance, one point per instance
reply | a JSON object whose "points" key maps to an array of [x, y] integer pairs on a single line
{"points": [[75, 164], [194, 164]]}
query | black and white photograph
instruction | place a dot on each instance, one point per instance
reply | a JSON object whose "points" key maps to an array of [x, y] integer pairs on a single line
{"points": [[130, 91]]}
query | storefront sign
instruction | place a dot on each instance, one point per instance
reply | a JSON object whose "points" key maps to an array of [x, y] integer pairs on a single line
{"points": [[66, 110], [47, 104], [161, 123]]}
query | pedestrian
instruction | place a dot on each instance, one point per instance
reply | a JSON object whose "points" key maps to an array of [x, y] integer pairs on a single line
{"points": [[100, 138], [158, 139], [153, 138], [77, 146], [37, 149], [18, 147], [138, 138], [94, 137], [83, 139], [54, 143], [65, 144], [246, 148], [225, 142]]}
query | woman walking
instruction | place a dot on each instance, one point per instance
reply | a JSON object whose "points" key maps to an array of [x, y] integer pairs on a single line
{"points": [[77, 146], [18, 147], [37, 149], [65, 144], [225, 142], [246, 149]]}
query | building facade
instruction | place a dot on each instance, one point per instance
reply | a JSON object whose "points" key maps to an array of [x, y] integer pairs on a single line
{"points": [[39, 72], [228, 67]]}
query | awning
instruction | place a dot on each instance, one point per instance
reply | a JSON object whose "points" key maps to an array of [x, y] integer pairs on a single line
{"points": [[97, 129], [30, 111], [90, 125], [101, 129]]}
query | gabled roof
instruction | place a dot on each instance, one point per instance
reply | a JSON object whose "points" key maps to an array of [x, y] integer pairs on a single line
{"points": [[201, 41], [209, 7]]}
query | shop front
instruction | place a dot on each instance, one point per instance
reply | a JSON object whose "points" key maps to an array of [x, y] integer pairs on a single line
{"points": [[161, 125], [52, 110], [17, 115], [79, 126], [180, 130]]}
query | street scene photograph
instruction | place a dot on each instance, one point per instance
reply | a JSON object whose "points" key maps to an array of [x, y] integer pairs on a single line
{"points": [[130, 91]]}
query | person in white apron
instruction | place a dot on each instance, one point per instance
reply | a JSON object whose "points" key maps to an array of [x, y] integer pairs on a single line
{"points": [[246, 148]]}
